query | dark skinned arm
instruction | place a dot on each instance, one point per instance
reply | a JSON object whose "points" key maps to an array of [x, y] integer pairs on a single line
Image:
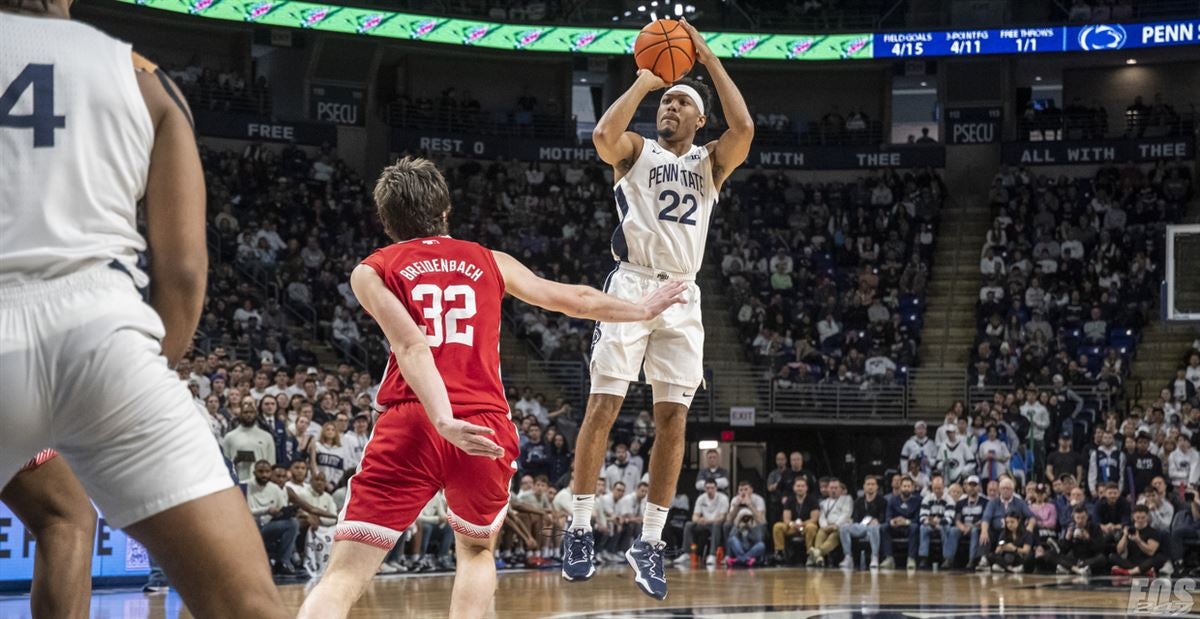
{"points": [[615, 145], [295, 499], [174, 202], [730, 150]]}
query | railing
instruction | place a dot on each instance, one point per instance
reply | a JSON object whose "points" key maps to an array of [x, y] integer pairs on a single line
{"points": [[731, 387], [304, 315], [1095, 398], [786, 403], [802, 402], [1089, 125], [935, 389], [218, 99], [775, 401], [453, 120], [570, 377], [820, 134]]}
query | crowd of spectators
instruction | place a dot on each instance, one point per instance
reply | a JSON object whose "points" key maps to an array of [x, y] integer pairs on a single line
{"points": [[856, 127], [453, 110], [827, 279], [1114, 492], [222, 90], [286, 229], [1043, 120], [1119, 498], [1100, 11], [828, 282], [833, 128], [1070, 270], [295, 224], [294, 434], [555, 218], [1154, 120], [1116, 496]]}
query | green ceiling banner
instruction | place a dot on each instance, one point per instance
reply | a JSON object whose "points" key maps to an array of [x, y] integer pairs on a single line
{"points": [[612, 41]]}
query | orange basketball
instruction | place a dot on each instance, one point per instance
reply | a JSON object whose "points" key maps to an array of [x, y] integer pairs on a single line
{"points": [[664, 48]]}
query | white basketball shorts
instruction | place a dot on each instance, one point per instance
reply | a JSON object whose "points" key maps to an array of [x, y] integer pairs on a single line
{"points": [[81, 371], [670, 348]]}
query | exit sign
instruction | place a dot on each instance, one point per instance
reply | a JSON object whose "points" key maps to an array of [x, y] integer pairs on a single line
{"points": [[741, 416]]}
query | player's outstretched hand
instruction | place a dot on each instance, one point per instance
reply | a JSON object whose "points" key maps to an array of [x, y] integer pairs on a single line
{"points": [[665, 296], [470, 438], [703, 53], [650, 80]]}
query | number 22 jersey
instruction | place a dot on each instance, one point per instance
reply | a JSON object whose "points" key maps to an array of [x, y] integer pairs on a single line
{"points": [[665, 203], [453, 290]]}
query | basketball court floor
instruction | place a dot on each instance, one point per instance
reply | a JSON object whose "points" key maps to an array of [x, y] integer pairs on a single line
{"points": [[750, 594]]}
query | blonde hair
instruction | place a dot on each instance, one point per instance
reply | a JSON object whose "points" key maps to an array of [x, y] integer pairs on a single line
{"points": [[337, 437]]}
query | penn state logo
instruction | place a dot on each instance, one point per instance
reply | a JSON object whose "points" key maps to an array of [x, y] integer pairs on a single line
{"points": [[1102, 37]]}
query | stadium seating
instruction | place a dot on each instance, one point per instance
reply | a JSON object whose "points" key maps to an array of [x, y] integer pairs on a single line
{"points": [[832, 274], [1070, 271]]}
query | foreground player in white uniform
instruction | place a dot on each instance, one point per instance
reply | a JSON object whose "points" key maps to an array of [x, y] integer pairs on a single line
{"points": [[87, 130], [665, 193]]}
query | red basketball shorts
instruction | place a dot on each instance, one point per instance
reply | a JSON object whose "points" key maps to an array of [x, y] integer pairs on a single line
{"points": [[406, 462]]}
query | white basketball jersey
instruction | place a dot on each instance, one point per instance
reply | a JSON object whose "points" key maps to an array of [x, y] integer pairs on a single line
{"points": [[75, 142], [664, 203]]}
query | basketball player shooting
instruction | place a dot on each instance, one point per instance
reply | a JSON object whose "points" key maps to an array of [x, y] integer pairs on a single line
{"points": [[447, 423], [665, 192]]}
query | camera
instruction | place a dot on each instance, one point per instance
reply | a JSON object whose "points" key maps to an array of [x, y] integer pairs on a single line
{"points": [[1189, 496]]}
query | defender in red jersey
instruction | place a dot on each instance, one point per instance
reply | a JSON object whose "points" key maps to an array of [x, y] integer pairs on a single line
{"points": [[446, 424], [56, 510], [453, 289]]}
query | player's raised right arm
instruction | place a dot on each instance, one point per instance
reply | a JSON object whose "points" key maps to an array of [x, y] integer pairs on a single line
{"points": [[615, 144], [583, 301], [415, 362]]}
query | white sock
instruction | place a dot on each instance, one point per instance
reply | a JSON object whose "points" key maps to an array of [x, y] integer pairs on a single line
{"points": [[653, 521], [581, 512]]}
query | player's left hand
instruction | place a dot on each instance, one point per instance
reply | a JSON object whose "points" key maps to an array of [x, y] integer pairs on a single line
{"points": [[663, 297], [703, 53], [470, 438]]}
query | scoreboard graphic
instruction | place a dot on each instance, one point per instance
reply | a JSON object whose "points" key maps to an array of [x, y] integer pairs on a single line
{"points": [[1086, 38], [749, 45]]}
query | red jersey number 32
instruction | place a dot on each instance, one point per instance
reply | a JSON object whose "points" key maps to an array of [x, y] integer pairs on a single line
{"points": [[448, 323]]}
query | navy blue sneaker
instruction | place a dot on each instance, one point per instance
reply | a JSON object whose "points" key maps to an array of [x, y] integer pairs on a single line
{"points": [[579, 555], [647, 563]]}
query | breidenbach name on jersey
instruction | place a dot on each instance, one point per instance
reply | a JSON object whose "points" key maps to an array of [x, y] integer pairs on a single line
{"points": [[411, 271]]}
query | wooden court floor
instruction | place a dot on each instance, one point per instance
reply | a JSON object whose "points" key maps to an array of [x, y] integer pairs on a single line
{"points": [[757, 594]]}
